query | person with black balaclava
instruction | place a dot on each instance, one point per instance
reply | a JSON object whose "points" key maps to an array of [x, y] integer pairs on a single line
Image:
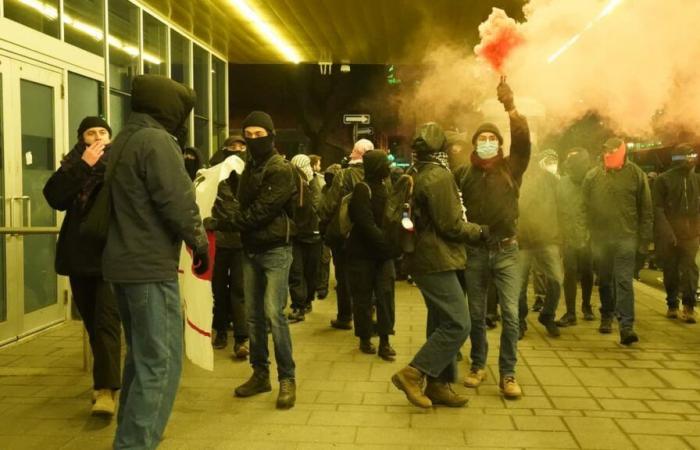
{"points": [[72, 188], [266, 193], [193, 161], [371, 273], [677, 227], [576, 247], [233, 145], [153, 211]]}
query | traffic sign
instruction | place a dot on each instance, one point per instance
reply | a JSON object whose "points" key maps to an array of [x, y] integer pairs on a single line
{"points": [[351, 119]]}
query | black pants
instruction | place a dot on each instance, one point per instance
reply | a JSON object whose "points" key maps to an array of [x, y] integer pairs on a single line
{"points": [[578, 265], [98, 307], [324, 271], [342, 287], [372, 280], [227, 286], [303, 275], [681, 272]]}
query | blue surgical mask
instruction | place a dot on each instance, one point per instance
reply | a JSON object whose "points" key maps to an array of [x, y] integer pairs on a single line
{"points": [[487, 149]]}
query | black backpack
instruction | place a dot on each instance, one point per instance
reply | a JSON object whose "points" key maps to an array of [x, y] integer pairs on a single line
{"points": [[400, 215]]}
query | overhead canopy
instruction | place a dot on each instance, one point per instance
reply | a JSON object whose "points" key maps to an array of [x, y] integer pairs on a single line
{"points": [[356, 31]]}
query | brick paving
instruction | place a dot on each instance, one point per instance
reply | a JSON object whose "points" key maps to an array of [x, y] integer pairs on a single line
{"points": [[582, 390]]}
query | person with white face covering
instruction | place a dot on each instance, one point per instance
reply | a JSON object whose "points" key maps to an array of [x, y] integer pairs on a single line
{"points": [[490, 195], [539, 238]]}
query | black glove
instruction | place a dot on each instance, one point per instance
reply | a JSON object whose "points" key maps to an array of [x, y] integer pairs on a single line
{"points": [[209, 223], [200, 261], [485, 233], [505, 95]]}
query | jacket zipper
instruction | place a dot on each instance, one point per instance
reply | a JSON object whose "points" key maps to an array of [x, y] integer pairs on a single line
{"points": [[685, 193]]}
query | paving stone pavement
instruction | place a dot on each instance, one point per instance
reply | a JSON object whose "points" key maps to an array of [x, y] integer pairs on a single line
{"points": [[582, 390]]}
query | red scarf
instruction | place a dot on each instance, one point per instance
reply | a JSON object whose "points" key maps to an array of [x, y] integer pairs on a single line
{"points": [[486, 164], [615, 160]]}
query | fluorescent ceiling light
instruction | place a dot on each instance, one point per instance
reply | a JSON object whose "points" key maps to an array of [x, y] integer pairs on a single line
{"points": [[266, 31]]}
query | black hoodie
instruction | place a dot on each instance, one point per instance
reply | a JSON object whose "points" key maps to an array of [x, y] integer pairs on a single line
{"points": [[153, 199]]}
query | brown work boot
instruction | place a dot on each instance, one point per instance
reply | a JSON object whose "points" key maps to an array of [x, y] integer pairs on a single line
{"points": [[474, 378], [104, 403], [441, 393], [410, 381], [688, 314], [257, 383], [510, 388]]}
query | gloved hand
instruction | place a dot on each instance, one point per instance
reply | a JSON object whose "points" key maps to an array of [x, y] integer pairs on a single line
{"points": [[200, 261], [505, 95], [485, 233], [209, 223]]}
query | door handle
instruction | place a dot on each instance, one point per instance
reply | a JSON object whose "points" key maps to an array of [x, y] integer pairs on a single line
{"points": [[29, 209]]}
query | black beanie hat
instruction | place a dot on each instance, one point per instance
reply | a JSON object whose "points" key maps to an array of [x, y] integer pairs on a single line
{"points": [[487, 128], [259, 119], [93, 122]]}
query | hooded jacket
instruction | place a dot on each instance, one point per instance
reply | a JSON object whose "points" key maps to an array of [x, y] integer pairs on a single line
{"points": [[306, 208], [618, 204], [153, 199], [343, 183], [491, 196], [571, 208], [366, 240], [677, 202], [538, 225]]}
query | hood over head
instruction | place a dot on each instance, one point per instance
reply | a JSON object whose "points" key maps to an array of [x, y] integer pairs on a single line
{"points": [[376, 164], [165, 100], [429, 138], [578, 163]]}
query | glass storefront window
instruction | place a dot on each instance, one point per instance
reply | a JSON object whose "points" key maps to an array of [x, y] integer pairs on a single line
{"points": [[123, 44], [40, 15], [119, 108], [218, 101], [179, 58], [84, 99], [3, 296], [83, 24], [155, 50], [201, 107]]}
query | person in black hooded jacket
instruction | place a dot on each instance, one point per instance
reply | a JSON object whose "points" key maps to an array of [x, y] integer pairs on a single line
{"points": [[154, 210], [370, 263], [72, 189]]}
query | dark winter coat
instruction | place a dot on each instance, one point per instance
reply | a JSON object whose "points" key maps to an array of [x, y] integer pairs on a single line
{"points": [[618, 204], [222, 212], [441, 231], [153, 198], [343, 183], [491, 197], [306, 209], [677, 201], [539, 210], [266, 192], [76, 254]]}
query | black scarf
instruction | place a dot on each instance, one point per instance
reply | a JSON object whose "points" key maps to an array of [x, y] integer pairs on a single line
{"points": [[97, 172]]}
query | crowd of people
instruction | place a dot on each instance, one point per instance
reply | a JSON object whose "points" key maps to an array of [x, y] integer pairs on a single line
{"points": [[472, 226]]}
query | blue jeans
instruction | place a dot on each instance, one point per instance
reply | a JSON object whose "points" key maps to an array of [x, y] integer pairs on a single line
{"points": [[615, 260], [447, 328], [266, 283], [153, 328], [547, 259], [499, 265]]}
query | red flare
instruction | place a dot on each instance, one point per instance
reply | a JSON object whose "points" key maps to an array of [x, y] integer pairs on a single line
{"points": [[499, 36]]}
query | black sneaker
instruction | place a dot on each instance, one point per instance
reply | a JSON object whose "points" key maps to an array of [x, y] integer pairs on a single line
{"points": [[588, 313], [309, 308], [550, 325], [628, 336], [567, 320], [297, 315], [321, 295], [287, 396], [539, 304], [257, 383], [341, 324], [386, 351], [366, 346], [220, 340], [605, 325]]}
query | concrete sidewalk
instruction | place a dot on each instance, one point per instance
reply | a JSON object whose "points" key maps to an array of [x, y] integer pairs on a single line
{"points": [[582, 390]]}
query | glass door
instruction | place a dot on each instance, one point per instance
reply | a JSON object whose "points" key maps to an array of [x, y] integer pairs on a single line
{"points": [[33, 139]]}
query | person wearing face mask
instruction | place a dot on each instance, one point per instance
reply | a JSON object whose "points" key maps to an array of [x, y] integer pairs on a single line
{"points": [[371, 271], [193, 161], [677, 228], [72, 188], [576, 248], [234, 145], [490, 190], [153, 212], [539, 238], [620, 218], [266, 194]]}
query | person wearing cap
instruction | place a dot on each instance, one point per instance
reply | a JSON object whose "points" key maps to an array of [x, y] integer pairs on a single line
{"points": [[539, 238], [676, 196], [233, 145], [153, 212], [490, 192], [576, 247], [307, 244], [620, 218], [441, 232], [72, 189], [266, 195], [343, 184]]}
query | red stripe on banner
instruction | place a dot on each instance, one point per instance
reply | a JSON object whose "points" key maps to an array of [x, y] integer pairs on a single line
{"points": [[197, 329]]}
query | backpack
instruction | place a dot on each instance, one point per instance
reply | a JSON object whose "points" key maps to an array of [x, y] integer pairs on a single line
{"points": [[344, 220], [399, 215]]}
